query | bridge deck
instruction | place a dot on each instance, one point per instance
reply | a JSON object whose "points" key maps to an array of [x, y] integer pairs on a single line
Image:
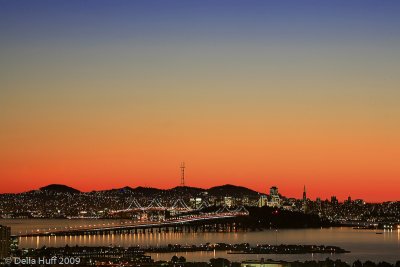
{"points": [[137, 225]]}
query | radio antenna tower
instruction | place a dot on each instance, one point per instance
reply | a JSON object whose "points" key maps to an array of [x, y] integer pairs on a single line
{"points": [[183, 174]]}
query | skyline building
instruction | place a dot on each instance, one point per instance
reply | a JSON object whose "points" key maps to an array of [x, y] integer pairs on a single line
{"points": [[334, 200], [273, 191], [263, 201], [304, 206], [274, 198]]}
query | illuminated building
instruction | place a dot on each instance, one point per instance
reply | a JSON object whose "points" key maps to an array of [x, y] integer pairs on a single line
{"points": [[228, 201], [262, 201], [273, 191], [275, 200]]}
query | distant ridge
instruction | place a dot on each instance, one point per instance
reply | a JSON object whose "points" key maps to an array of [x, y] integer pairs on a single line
{"points": [[229, 189], [221, 191], [59, 188]]}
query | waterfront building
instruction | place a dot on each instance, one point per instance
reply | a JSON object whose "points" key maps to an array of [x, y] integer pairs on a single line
{"points": [[14, 245], [5, 241]]}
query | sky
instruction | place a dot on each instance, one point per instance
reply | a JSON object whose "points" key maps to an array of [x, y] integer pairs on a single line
{"points": [[105, 94]]}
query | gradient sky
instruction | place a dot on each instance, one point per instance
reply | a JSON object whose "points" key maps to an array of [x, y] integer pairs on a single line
{"points": [[104, 94]]}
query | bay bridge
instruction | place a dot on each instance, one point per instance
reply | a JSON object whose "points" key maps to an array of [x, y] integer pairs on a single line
{"points": [[155, 205], [183, 218]]}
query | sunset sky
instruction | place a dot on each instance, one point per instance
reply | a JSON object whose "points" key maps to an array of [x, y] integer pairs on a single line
{"points": [[105, 94]]}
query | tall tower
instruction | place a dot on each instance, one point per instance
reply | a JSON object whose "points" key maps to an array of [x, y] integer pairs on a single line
{"points": [[304, 207], [183, 174]]}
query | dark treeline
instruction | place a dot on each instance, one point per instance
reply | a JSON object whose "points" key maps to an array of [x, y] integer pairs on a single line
{"points": [[221, 262], [273, 217], [338, 263], [268, 217]]}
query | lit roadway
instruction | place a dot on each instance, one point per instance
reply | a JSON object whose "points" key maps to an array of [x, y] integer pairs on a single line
{"points": [[132, 225]]}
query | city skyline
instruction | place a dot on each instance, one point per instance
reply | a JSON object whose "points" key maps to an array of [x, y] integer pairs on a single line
{"points": [[97, 95], [266, 191]]}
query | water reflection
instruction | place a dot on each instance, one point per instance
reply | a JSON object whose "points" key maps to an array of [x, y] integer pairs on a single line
{"points": [[363, 244], [398, 236], [341, 237]]}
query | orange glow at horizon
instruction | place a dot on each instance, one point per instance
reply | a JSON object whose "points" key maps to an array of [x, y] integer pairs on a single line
{"points": [[253, 95], [328, 163]]}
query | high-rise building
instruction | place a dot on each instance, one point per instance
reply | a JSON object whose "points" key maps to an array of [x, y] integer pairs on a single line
{"points": [[275, 200], [263, 201], [319, 204], [5, 241], [304, 206], [273, 191]]}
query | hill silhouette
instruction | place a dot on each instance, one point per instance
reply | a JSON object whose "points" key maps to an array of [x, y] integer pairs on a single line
{"points": [[59, 188], [218, 191], [228, 189]]}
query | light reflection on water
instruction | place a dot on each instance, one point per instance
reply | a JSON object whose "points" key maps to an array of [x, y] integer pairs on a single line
{"points": [[363, 244]]}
